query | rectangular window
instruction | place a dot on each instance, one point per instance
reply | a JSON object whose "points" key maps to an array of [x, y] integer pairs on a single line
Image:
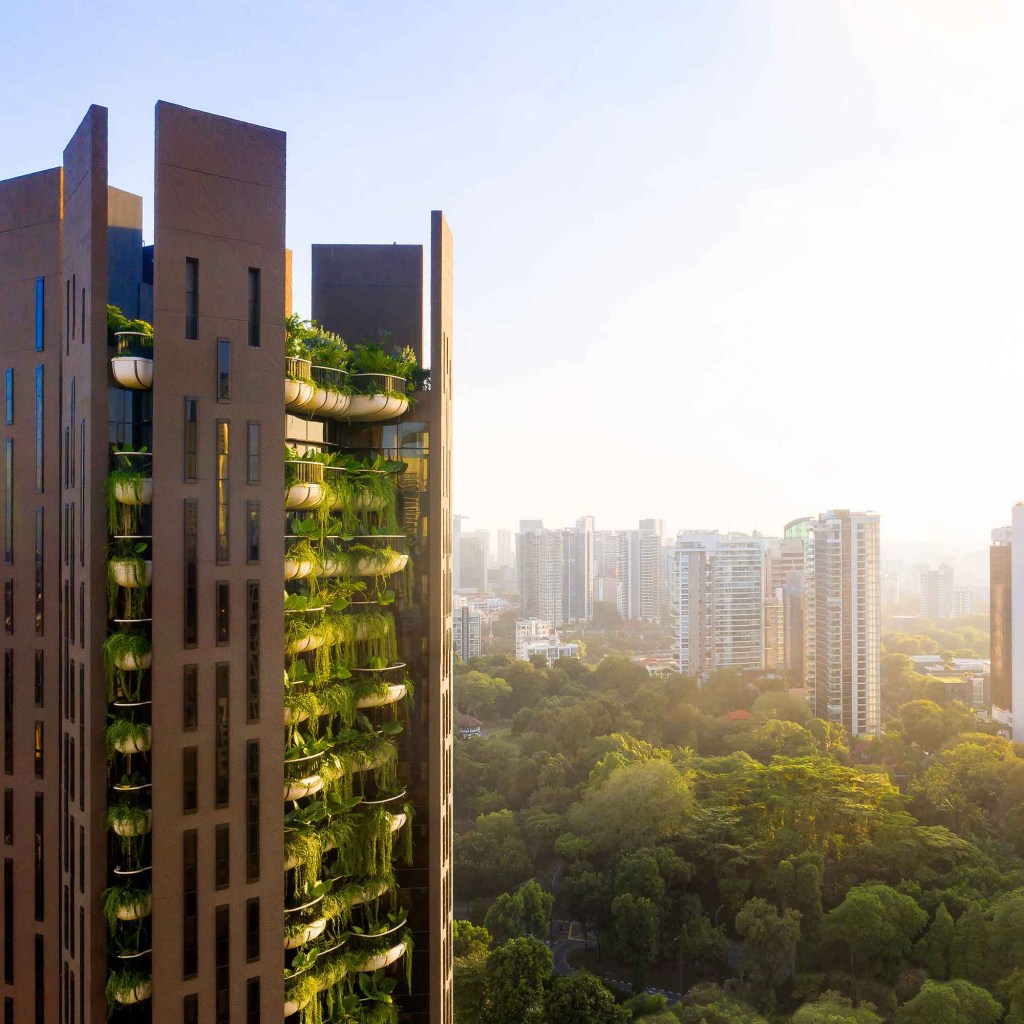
{"points": [[223, 490], [190, 904], [9, 396], [252, 453], [38, 752], [252, 930], [252, 531], [39, 430], [189, 780], [40, 982], [254, 307], [223, 369], [252, 650], [222, 961], [191, 299], [191, 573], [40, 695], [252, 1001], [9, 607], [221, 858], [252, 810], [9, 500], [190, 1009], [223, 612], [190, 686], [39, 572], [40, 311], [221, 776], [81, 859], [8, 921], [191, 439], [8, 712], [38, 848], [9, 816], [81, 619]]}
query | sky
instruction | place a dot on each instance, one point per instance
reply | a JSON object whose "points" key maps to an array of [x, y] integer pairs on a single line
{"points": [[722, 263]]}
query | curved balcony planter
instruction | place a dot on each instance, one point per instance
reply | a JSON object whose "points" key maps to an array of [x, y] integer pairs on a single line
{"points": [[347, 565], [138, 745], [297, 568], [377, 936], [303, 496], [367, 501], [298, 384], [137, 994], [127, 494], [309, 932], [293, 716], [293, 1006], [305, 484], [126, 574], [377, 673], [123, 872], [136, 911], [310, 642], [296, 789], [128, 829], [396, 692], [132, 367], [382, 397], [130, 663], [370, 893], [378, 961]]}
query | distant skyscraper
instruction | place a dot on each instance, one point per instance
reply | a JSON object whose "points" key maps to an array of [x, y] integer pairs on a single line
{"points": [[456, 551], [718, 599], [842, 620], [466, 632], [1001, 616], [505, 555], [1017, 620], [962, 603], [643, 572], [473, 549], [784, 612], [937, 592], [556, 571]]}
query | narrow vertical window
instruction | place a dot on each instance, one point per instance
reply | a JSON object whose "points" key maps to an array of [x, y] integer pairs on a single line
{"points": [[254, 307], [221, 776], [9, 607], [40, 982], [252, 650], [252, 811], [8, 712], [252, 930], [191, 573], [39, 573], [223, 490], [190, 1009], [252, 1001], [81, 500], [40, 311], [38, 849], [191, 439], [9, 816], [39, 429], [189, 780], [223, 369], [38, 751], [190, 903], [252, 531], [72, 434], [252, 453], [190, 687], [9, 500], [9, 396], [81, 617], [39, 690], [222, 960], [191, 299], [221, 858], [223, 612], [8, 921]]}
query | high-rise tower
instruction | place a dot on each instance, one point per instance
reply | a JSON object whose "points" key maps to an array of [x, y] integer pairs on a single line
{"points": [[180, 740]]}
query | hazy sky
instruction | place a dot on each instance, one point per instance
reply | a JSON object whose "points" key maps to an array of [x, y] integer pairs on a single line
{"points": [[723, 263]]}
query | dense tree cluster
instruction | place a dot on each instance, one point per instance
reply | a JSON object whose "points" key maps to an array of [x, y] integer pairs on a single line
{"points": [[775, 868]]}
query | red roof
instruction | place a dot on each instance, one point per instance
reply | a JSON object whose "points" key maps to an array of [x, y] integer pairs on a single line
{"points": [[741, 715]]}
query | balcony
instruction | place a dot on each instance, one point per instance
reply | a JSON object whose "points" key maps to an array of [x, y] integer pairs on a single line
{"points": [[330, 397], [298, 383], [303, 484], [377, 396], [132, 367]]}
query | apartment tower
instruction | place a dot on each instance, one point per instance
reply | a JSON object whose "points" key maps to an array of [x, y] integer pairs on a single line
{"points": [[160, 782], [842, 620], [1001, 616]]}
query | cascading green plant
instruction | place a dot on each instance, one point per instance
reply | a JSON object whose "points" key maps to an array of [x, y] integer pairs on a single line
{"points": [[120, 646], [120, 899], [128, 558], [125, 984], [124, 731], [124, 518]]}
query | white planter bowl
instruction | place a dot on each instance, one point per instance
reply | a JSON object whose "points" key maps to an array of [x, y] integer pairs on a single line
{"points": [[295, 569], [309, 643], [301, 496], [312, 931], [369, 894], [366, 567], [300, 788], [395, 693], [297, 394], [124, 574], [129, 663], [381, 960], [133, 372], [398, 820], [124, 494], [143, 907], [367, 501], [376, 407], [139, 746], [141, 992], [337, 406], [127, 829]]}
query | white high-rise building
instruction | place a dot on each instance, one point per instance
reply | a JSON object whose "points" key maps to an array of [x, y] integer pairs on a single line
{"points": [[937, 592], [556, 571], [505, 556], [842, 620], [718, 600], [466, 632]]}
